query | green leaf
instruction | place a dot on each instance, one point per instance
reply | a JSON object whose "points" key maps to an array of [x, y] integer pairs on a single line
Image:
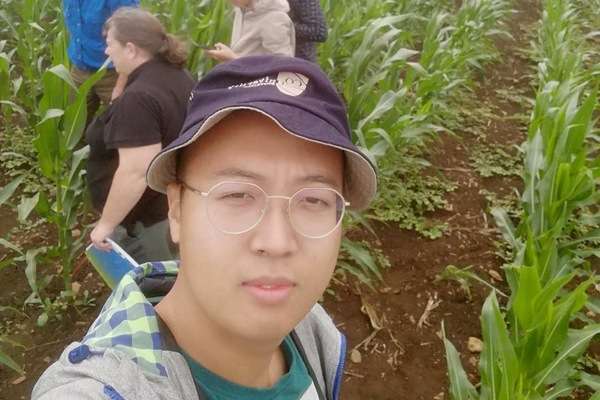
{"points": [[361, 255], [386, 102], [506, 227], [590, 236], [569, 354], [10, 363], [31, 268], [43, 207], [36, 26], [63, 73], [10, 245], [528, 289], [596, 396], [7, 262], [16, 311], [499, 366], [51, 114], [76, 113], [14, 106], [560, 390], [7, 191], [460, 387], [26, 206], [42, 319], [589, 380], [418, 68]]}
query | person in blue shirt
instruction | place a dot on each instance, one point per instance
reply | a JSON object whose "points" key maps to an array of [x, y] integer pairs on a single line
{"points": [[84, 20]]}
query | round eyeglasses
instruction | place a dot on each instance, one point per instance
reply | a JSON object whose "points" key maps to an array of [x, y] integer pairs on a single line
{"points": [[237, 207]]}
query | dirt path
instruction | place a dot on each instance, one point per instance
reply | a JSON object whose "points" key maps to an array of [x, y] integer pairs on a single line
{"points": [[406, 359]]}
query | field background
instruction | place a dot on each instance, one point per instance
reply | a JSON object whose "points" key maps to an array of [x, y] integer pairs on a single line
{"points": [[440, 94]]}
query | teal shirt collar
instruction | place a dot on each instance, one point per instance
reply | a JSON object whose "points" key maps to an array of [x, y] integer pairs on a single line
{"points": [[291, 385]]}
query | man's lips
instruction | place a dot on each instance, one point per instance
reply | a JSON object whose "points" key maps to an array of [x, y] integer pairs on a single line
{"points": [[269, 290]]}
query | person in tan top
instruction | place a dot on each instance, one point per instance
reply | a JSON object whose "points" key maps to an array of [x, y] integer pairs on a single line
{"points": [[260, 27]]}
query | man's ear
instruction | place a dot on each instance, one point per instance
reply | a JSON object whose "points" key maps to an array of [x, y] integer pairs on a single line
{"points": [[174, 197]]}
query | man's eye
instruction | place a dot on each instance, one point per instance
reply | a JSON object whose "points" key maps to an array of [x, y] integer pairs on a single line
{"points": [[315, 202], [237, 196]]}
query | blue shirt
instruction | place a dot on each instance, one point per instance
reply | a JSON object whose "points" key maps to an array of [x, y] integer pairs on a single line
{"points": [[85, 20]]}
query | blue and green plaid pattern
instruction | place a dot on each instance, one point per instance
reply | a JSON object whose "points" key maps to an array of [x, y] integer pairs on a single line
{"points": [[128, 321]]}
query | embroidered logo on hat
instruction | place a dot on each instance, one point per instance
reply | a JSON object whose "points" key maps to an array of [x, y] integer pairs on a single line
{"points": [[291, 83]]}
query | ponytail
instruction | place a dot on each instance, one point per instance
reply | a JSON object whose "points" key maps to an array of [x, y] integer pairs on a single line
{"points": [[173, 51]]}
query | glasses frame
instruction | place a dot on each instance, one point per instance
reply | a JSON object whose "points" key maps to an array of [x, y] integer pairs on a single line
{"points": [[263, 211]]}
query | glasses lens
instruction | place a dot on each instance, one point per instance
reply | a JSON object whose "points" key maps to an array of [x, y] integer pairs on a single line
{"points": [[235, 207], [315, 212]]}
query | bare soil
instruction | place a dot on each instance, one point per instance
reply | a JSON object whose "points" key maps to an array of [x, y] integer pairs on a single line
{"points": [[406, 359]]}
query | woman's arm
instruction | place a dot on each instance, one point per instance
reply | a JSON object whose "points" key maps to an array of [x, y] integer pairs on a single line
{"points": [[128, 186]]}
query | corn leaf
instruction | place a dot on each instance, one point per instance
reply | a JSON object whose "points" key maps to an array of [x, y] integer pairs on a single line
{"points": [[498, 366], [10, 363], [460, 387], [27, 205], [565, 361], [7, 191]]}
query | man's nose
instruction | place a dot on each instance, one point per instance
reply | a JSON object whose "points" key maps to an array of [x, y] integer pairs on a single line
{"points": [[275, 234]]}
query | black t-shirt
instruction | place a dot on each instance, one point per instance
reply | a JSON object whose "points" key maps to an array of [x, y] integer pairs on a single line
{"points": [[151, 110]]}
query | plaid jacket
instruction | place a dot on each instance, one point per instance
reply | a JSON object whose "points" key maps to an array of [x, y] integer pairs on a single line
{"points": [[310, 26], [127, 354]]}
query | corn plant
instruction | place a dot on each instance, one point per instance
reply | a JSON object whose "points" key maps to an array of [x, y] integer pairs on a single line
{"points": [[56, 109], [5, 69], [532, 349], [28, 24], [396, 93], [59, 132], [61, 162], [401, 65], [8, 87], [202, 23]]}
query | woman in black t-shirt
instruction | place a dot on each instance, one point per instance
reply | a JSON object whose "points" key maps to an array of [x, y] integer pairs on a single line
{"points": [[147, 116]]}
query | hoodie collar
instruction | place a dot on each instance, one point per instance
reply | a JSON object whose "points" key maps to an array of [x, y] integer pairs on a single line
{"points": [[128, 322]]}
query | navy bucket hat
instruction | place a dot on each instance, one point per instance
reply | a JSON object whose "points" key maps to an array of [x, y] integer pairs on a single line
{"points": [[295, 94]]}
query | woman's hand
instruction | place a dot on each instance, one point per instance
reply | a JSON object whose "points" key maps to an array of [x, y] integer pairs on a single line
{"points": [[221, 53], [99, 235]]}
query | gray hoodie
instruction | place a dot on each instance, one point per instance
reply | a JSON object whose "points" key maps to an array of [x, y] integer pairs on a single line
{"points": [[129, 354], [263, 28]]}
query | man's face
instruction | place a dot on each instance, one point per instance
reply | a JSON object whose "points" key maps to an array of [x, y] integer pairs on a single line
{"points": [[257, 285]]}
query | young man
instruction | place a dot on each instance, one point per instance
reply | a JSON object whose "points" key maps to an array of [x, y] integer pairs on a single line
{"points": [[255, 183]]}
